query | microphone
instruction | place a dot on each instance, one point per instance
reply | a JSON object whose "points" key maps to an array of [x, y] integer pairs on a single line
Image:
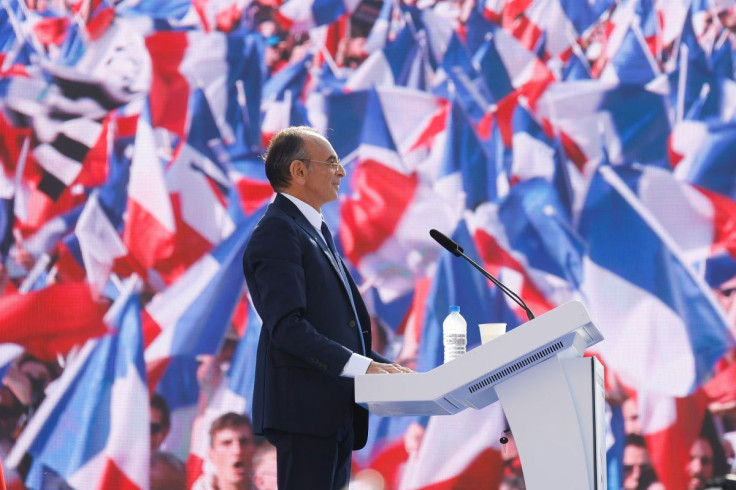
{"points": [[456, 250]]}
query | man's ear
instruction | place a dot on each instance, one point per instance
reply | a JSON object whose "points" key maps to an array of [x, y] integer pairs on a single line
{"points": [[298, 171]]}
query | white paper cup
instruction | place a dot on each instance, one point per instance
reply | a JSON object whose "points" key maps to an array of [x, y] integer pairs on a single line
{"points": [[489, 331]]}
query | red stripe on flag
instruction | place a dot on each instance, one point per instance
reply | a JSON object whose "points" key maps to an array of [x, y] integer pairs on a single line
{"points": [[147, 240], [437, 124], [495, 257], [51, 321], [253, 193], [51, 30], [67, 266], [94, 171], [169, 88], [724, 222], [151, 328], [389, 462], [195, 469], [485, 471], [669, 449], [154, 372], [113, 477], [189, 246], [97, 25], [367, 221], [41, 208]]}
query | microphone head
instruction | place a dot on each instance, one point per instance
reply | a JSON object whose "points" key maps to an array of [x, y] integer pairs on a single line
{"points": [[449, 244]]}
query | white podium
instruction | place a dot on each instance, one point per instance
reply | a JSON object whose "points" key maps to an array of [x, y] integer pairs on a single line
{"points": [[553, 397]]}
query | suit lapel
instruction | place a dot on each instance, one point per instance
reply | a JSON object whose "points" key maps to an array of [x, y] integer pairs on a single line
{"points": [[289, 208]]}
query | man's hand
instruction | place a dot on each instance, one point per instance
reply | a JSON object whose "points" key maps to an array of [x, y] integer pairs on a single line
{"points": [[382, 368]]}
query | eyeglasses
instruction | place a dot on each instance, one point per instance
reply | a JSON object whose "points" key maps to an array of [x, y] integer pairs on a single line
{"points": [[333, 165]]}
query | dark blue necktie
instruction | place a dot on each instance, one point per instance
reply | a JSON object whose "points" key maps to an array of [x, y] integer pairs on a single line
{"points": [[343, 275]]}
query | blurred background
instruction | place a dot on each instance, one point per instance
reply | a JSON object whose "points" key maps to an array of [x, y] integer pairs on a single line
{"points": [[577, 149]]}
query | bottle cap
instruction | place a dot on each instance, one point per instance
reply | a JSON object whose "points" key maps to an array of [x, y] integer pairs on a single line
{"points": [[454, 309]]}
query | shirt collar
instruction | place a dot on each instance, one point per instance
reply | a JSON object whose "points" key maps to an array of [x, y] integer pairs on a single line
{"points": [[313, 216]]}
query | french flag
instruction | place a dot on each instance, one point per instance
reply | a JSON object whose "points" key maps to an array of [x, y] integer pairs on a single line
{"points": [[700, 153], [301, 15], [95, 400], [62, 315], [378, 229], [524, 70], [670, 425], [198, 184], [638, 283], [470, 455], [405, 61], [181, 63], [99, 243], [633, 122], [190, 318], [467, 160], [527, 242], [150, 228]]}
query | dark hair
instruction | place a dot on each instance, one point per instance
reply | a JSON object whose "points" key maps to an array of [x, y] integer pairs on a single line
{"points": [[159, 402], [285, 147], [229, 420], [635, 440]]}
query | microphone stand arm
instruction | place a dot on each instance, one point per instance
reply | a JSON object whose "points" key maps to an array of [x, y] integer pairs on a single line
{"points": [[500, 286]]}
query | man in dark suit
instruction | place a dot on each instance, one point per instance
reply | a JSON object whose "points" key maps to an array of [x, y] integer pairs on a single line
{"points": [[316, 333]]}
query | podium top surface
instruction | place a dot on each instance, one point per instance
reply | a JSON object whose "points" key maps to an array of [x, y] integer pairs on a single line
{"points": [[468, 381]]}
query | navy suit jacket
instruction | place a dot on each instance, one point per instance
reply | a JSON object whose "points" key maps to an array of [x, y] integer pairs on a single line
{"points": [[309, 329]]}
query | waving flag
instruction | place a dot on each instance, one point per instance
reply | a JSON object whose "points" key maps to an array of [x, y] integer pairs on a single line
{"points": [[191, 318], [659, 299], [61, 316], [471, 452], [150, 228], [93, 402], [301, 15]]}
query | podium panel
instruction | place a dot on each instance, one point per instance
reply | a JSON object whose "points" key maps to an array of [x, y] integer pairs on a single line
{"points": [[553, 398]]}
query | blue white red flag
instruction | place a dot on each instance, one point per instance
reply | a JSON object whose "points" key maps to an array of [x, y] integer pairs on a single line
{"points": [[95, 400]]}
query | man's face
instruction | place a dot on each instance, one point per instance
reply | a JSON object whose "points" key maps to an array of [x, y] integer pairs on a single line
{"points": [[322, 182], [232, 454], [700, 467], [638, 472]]}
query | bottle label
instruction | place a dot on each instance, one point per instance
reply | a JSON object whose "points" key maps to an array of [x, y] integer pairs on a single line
{"points": [[454, 346]]}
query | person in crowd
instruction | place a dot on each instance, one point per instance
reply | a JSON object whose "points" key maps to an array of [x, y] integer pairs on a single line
{"points": [[15, 400], [15, 406], [167, 472], [264, 467], [316, 332], [160, 421], [40, 374], [700, 464], [638, 473], [231, 454]]}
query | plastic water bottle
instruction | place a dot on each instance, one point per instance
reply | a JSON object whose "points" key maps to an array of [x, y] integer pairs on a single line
{"points": [[455, 334]]}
